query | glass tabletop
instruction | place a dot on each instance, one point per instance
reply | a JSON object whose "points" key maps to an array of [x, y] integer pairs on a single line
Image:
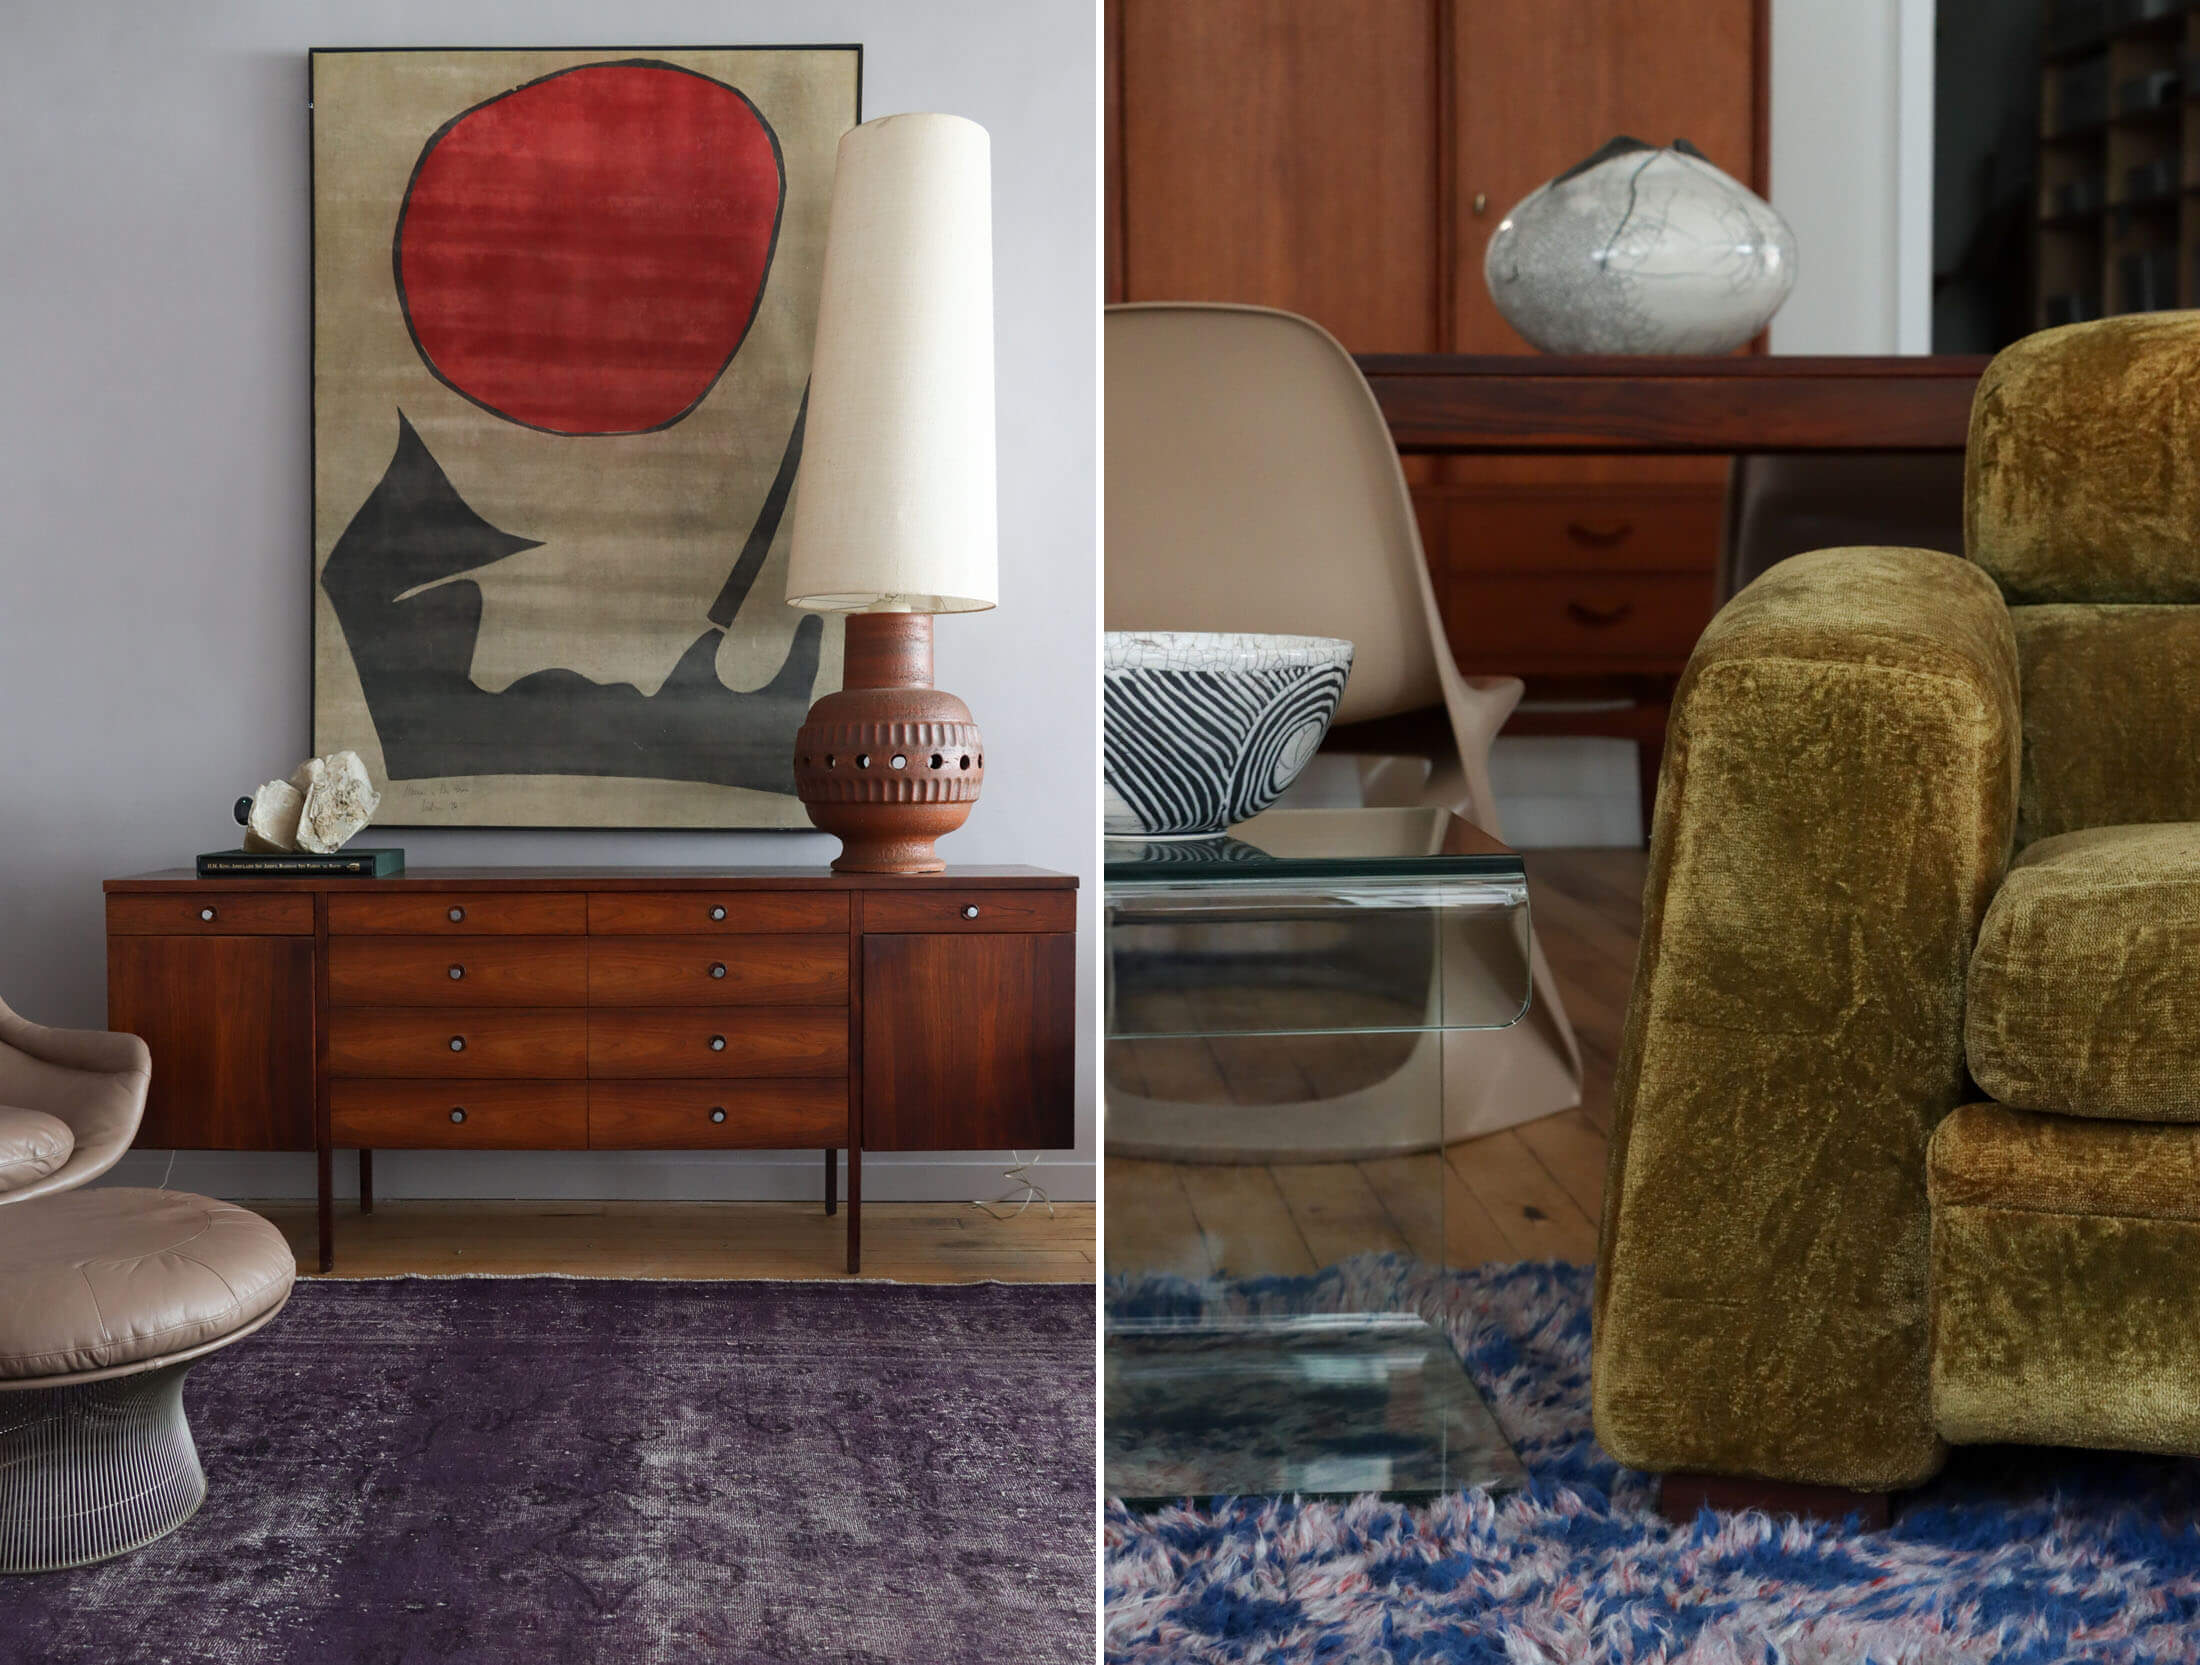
{"points": [[1317, 922], [1288, 1011]]}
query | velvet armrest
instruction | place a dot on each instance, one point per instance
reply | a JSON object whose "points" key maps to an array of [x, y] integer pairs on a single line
{"points": [[1835, 811]]}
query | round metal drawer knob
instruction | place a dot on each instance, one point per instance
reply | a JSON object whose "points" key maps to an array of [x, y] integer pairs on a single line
{"points": [[717, 1115], [970, 910], [718, 913], [458, 1043], [457, 914], [718, 968], [458, 1115], [457, 971], [206, 913], [718, 1043]]}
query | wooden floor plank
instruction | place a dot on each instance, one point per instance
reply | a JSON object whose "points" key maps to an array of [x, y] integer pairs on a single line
{"points": [[1248, 1227], [1151, 1226], [1337, 1211], [1572, 1150], [1538, 1218]]}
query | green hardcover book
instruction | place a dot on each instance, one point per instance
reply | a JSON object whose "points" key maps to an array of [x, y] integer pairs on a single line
{"points": [[298, 864]]}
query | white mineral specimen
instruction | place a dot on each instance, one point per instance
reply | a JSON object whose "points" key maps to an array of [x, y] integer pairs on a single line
{"points": [[339, 801], [273, 823]]}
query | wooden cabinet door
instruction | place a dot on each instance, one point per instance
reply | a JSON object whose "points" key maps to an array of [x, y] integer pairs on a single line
{"points": [[1282, 153], [229, 1020], [1541, 86], [969, 1041]]}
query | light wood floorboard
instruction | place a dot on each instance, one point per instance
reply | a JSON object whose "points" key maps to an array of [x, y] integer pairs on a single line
{"points": [[1531, 1192], [907, 1242]]}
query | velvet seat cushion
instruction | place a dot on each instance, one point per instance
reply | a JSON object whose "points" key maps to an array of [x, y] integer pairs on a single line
{"points": [[2065, 1311], [2084, 987], [32, 1145]]}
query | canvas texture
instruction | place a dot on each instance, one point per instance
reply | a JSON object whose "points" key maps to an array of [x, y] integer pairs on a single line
{"points": [[1788, 1285], [564, 305]]}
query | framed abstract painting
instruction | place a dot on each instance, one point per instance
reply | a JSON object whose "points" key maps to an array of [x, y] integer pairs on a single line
{"points": [[563, 305]]}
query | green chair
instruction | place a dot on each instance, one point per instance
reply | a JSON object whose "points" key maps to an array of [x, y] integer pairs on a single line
{"points": [[1906, 1146]]}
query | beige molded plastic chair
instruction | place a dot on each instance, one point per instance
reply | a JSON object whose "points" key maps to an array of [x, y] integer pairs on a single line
{"points": [[1252, 486]]}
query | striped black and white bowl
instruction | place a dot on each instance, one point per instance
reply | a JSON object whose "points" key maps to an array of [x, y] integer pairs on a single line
{"points": [[1202, 730]]}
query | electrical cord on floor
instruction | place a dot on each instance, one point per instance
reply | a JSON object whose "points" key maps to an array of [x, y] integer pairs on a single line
{"points": [[170, 1171], [1020, 1174]]}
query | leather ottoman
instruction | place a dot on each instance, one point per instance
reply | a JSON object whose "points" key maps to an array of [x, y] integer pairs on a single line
{"points": [[109, 1297]]}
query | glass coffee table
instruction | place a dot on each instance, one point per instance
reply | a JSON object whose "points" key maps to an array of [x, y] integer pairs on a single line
{"points": [[1284, 1008]]}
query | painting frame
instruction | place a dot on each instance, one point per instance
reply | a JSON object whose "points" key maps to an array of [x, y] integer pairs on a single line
{"points": [[628, 797]]}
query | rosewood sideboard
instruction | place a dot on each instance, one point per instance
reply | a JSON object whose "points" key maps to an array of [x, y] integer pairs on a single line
{"points": [[601, 1009]]}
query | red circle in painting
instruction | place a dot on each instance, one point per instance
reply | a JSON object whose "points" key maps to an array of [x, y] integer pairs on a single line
{"points": [[583, 254]]}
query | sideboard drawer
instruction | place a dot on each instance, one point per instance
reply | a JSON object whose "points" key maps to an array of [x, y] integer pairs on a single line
{"points": [[459, 1115], [974, 910], [482, 1041], [1637, 528], [1527, 621], [650, 913], [422, 971], [451, 913], [697, 971], [705, 1115], [801, 1041], [212, 913]]}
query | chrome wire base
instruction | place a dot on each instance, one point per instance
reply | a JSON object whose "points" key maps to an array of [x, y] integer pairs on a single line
{"points": [[94, 1471]]}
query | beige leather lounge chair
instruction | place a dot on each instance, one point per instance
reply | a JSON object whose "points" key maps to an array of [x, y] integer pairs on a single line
{"points": [[1252, 486], [108, 1296]]}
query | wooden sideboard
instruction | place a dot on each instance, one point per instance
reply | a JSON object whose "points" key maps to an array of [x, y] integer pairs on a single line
{"points": [[601, 1009]]}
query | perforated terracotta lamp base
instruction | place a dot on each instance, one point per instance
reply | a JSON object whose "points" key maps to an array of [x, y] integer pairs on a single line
{"points": [[889, 763], [894, 518]]}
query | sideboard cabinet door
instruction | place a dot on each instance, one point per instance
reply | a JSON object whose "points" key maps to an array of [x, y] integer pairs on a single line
{"points": [[969, 1041], [230, 1023]]}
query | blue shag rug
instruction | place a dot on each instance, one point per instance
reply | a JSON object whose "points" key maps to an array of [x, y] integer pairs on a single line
{"points": [[2013, 1554]]}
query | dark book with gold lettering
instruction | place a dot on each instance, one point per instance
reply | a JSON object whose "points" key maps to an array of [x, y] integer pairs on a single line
{"points": [[295, 864]]}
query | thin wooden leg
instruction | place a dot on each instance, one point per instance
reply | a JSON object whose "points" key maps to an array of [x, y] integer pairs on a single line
{"points": [[1681, 1495], [855, 1209], [328, 1225], [366, 1182], [832, 1181]]}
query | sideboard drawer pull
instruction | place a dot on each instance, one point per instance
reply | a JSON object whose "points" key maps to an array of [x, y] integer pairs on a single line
{"points": [[718, 1043], [970, 910], [457, 916], [1593, 537], [718, 912], [458, 1043], [1598, 618], [206, 914], [718, 968], [458, 1112], [457, 972], [718, 1113]]}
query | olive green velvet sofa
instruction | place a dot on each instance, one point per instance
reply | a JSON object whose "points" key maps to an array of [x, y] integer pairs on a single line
{"points": [[1906, 1141]]}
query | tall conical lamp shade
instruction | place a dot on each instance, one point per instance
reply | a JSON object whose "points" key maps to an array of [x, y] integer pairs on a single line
{"points": [[894, 515]]}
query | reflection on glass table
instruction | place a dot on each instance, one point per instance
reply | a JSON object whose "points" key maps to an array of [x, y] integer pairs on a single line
{"points": [[1284, 1011]]}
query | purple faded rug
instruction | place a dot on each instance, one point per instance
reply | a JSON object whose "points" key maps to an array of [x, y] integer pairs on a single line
{"points": [[419, 1470]]}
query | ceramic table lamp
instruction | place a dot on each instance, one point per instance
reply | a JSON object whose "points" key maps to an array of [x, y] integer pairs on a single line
{"points": [[894, 510]]}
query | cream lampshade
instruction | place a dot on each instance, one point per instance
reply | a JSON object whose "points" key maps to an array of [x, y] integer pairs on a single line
{"points": [[894, 515]]}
